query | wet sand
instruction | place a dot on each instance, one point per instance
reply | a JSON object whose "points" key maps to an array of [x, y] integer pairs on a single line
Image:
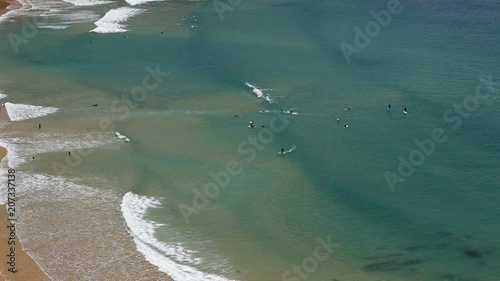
{"points": [[109, 268], [27, 268]]}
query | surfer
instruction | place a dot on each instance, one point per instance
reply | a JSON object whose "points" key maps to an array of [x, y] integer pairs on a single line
{"points": [[39, 126], [346, 126], [69, 153], [282, 151], [347, 109], [251, 125], [94, 104], [405, 111], [290, 111], [338, 120], [237, 116], [389, 108]]}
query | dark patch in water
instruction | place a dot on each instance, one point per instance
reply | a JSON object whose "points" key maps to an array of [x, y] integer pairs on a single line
{"points": [[473, 253], [382, 266], [454, 277], [412, 262], [392, 265]]}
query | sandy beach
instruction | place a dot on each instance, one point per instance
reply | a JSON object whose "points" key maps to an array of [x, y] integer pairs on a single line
{"points": [[27, 268], [6, 3]]}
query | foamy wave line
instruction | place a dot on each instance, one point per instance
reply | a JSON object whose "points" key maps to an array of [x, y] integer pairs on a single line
{"points": [[189, 112], [138, 2], [54, 26], [280, 111], [88, 2], [259, 93], [22, 147], [113, 20], [2, 95], [18, 112], [134, 208]]}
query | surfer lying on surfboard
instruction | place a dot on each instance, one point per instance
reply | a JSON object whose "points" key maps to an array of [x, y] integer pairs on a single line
{"points": [[283, 151]]}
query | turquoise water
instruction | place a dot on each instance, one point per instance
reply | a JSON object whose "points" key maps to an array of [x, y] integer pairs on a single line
{"points": [[270, 216]]}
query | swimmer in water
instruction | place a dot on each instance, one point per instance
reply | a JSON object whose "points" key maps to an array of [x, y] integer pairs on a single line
{"points": [[237, 116], [338, 120], [251, 125], [346, 126], [405, 111], [347, 109], [389, 108]]}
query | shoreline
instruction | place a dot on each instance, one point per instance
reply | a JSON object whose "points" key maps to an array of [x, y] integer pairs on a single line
{"points": [[27, 268], [8, 5]]}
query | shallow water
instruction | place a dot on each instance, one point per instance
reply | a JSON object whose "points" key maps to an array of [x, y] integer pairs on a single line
{"points": [[261, 61]]}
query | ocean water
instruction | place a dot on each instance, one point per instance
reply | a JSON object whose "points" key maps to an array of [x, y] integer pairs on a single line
{"points": [[127, 204]]}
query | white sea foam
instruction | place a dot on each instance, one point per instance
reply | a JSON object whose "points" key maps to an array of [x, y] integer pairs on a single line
{"points": [[19, 112], [134, 209], [2, 95], [78, 17], [121, 137], [22, 147], [291, 149], [60, 15], [53, 26], [189, 112], [280, 111], [88, 2], [138, 2], [31, 182], [259, 93], [113, 21]]}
